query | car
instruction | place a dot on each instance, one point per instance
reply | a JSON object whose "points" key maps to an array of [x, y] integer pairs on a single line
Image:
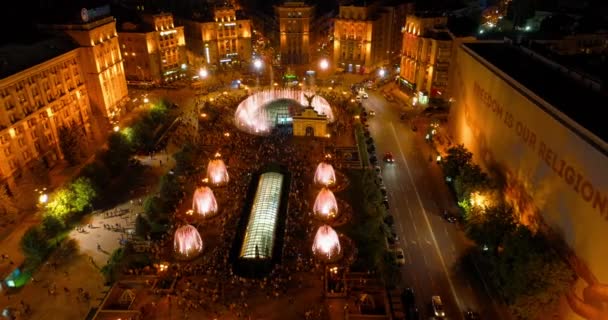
{"points": [[364, 95], [372, 113], [449, 217], [437, 305], [408, 298], [399, 256], [471, 315], [388, 158]]}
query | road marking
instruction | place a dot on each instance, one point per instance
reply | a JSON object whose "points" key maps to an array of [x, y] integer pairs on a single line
{"points": [[426, 219], [412, 219]]}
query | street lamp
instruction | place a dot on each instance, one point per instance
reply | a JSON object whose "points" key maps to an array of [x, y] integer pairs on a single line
{"points": [[42, 196], [382, 73], [203, 73], [116, 128], [257, 63], [324, 64]]}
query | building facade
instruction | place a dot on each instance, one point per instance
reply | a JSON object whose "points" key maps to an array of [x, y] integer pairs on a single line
{"points": [[154, 51], [294, 32], [520, 115], [35, 103], [364, 36], [226, 40], [101, 61], [426, 55]]}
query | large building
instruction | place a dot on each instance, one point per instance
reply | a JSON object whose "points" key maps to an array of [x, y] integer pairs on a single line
{"points": [[426, 55], [294, 32], [42, 88], [367, 37], [539, 123], [154, 50], [225, 39], [100, 59]]}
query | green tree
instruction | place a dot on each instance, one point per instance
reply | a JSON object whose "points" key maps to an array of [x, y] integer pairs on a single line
{"points": [[491, 227], [70, 138], [116, 158], [52, 225], [529, 274], [184, 159], [98, 173], [84, 194], [142, 226], [61, 204], [170, 190], [470, 179], [457, 158], [34, 245], [154, 208], [7, 203]]}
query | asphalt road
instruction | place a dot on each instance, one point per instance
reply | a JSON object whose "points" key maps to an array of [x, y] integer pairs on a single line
{"points": [[417, 196]]}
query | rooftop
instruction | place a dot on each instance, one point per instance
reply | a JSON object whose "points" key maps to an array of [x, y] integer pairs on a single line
{"points": [[260, 232], [563, 92], [16, 57]]}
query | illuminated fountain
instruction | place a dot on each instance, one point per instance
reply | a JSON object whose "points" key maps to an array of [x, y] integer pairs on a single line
{"points": [[203, 202], [325, 174], [187, 242], [253, 116], [217, 172], [327, 244], [326, 205]]}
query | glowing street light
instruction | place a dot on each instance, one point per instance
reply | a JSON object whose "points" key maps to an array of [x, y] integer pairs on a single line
{"points": [[203, 73], [146, 100], [257, 63], [382, 73], [116, 128], [324, 64]]}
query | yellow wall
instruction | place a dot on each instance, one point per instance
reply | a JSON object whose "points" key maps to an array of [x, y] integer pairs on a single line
{"points": [[550, 170]]}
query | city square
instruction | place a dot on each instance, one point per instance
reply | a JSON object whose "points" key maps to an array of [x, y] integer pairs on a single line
{"points": [[385, 159]]}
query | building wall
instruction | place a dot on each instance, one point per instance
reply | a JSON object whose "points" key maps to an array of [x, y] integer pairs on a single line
{"points": [[550, 170], [34, 104], [224, 41], [141, 56], [294, 32], [425, 61], [101, 62], [353, 40]]}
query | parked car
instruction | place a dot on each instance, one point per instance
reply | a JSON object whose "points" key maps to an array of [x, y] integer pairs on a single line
{"points": [[449, 217], [471, 315], [399, 256]]}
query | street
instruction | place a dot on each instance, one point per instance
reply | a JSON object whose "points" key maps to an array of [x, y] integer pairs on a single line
{"points": [[417, 197]]}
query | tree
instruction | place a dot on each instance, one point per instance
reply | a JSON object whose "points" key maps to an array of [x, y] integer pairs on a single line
{"points": [[52, 225], [7, 203], [184, 160], [170, 191], [34, 245], [84, 194], [61, 204], [116, 158], [142, 226], [529, 274], [491, 226], [154, 208], [70, 138], [470, 179], [457, 158], [98, 173]]}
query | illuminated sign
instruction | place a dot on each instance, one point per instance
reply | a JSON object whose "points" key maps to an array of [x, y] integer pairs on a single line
{"points": [[556, 162]]}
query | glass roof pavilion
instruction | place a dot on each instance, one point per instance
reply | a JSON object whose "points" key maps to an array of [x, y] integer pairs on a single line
{"points": [[260, 233]]}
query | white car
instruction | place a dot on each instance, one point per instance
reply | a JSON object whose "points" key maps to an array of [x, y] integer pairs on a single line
{"points": [[437, 306]]}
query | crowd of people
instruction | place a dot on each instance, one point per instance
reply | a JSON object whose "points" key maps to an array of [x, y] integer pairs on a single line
{"points": [[208, 283]]}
